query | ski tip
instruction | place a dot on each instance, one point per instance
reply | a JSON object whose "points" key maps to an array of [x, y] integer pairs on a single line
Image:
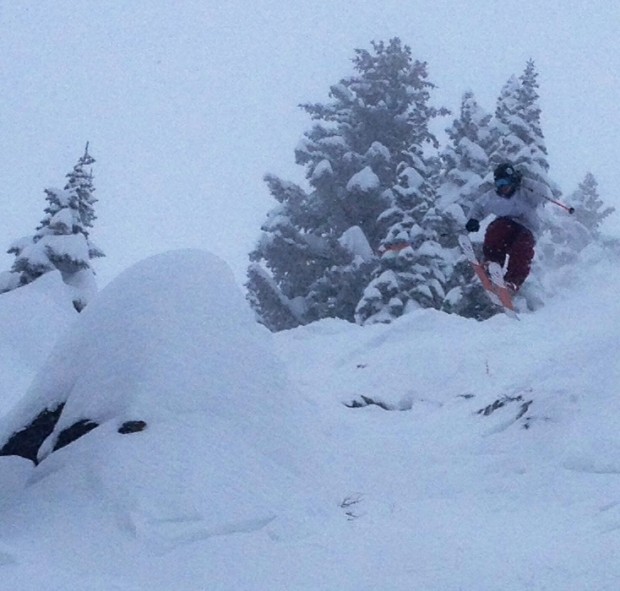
{"points": [[511, 314]]}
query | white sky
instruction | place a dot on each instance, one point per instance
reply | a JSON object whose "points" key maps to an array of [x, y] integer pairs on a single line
{"points": [[187, 104]]}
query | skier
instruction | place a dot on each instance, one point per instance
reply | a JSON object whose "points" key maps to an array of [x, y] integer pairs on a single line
{"points": [[514, 200]]}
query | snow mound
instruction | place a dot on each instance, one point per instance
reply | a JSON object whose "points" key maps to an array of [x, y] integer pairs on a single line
{"points": [[171, 342]]}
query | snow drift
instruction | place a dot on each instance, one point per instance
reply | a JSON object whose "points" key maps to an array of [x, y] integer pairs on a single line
{"points": [[170, 343]]}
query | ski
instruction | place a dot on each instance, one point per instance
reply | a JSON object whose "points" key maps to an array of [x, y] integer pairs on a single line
{"points": [[497, 278], [492, 281]]}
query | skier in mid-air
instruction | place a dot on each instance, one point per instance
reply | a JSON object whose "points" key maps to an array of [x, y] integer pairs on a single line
{"points": [[514, 200]]}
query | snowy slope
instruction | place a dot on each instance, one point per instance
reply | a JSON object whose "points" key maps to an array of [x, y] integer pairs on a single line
{"points": [[488, 459], [456, 493]]}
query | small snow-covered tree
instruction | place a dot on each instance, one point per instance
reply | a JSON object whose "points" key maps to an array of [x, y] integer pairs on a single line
{"points": [[61, 241], [352, 156], [566, 236], [590, 210]]}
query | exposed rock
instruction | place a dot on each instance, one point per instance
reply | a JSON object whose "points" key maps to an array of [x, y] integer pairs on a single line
{"points": [[27, 441]]}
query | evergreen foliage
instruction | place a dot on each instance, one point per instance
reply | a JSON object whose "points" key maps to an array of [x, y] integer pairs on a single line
{"points": [[357, 157], [518, 135], [412, 268], [465, 165], [465, 160], [590, 209], [61, 241], [272, 309], [566, 236]]}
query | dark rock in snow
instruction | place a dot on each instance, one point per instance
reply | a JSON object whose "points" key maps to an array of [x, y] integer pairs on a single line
{"points": [[131, 427], [75, 431], [27, 441]]}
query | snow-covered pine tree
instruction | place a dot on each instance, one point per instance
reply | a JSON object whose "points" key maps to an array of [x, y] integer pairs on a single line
{"points": [[352, 156], [503, 146], [465, 164], [80, 184], [413, 264], [289, 258], [530, 111], [399, 273], [517, 128], [61, 241], [465, 160], [569, 235], [590, 210]]}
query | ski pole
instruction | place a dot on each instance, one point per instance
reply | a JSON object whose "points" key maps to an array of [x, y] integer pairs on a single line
{"points": [[570, 210]]}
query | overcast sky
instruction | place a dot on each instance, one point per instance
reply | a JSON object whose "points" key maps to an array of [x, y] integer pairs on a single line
{"points": [[188, 103]]}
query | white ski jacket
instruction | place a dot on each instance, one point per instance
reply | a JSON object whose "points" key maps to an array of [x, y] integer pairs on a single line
{"points": [[521, 207]]}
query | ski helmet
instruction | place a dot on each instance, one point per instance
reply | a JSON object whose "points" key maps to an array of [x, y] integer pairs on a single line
{"points": [[506, 170], [507, 179]]}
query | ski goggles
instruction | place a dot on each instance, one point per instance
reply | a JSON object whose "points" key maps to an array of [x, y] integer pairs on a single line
{"points": [[503, 183]]}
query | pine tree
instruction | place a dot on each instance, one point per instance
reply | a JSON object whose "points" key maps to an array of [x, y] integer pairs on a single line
{"points": [[566, 236], [530, 111], [518, 135], [465, 164], [80, 185], [353, 158], [590, 209], [412, 268], [465, 160], [61, 241]]}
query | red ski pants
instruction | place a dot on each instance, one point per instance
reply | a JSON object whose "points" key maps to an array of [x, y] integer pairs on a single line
{"points": [[505, 237]]}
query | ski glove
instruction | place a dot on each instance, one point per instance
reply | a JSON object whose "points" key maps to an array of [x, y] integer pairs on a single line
{"points": [[472, 225]]}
